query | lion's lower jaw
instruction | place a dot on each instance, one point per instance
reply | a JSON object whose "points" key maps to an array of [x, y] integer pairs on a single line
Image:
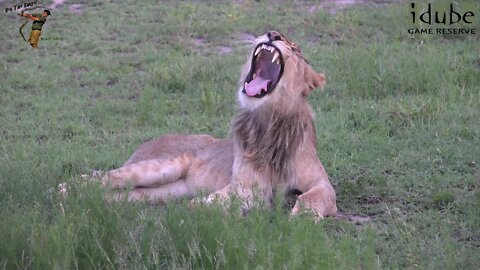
{"points": [[249, 103]]}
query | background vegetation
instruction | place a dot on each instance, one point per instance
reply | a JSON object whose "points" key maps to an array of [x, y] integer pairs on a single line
{"points": [[398, 132]]}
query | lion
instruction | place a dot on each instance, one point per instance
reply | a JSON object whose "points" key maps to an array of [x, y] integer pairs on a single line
{"points": [[271, 148]]}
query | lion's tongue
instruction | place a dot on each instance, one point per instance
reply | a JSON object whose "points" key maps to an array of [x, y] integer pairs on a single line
{"points": [[255, 87]]}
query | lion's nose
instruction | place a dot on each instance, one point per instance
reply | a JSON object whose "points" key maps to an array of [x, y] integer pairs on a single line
{"points": [[273, 35]]}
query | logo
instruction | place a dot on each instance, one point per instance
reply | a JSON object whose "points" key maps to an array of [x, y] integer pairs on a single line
{"points": [[38, 20], [445, 19]]}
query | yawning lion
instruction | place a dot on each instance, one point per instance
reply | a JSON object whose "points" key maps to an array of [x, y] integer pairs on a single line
{"points": [[272, 149]]}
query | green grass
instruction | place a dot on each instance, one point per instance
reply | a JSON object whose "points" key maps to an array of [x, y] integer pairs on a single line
{"points": [[398, 132]]}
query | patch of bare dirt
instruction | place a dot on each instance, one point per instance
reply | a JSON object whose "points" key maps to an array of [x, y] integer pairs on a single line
{"points": [[78, 70], [356, 219], [203, 44], [74, 8], [56, 3], [333, 6]]}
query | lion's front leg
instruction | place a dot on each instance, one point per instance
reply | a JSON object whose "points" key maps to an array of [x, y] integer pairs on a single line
{"points": [[225, 194], [320, 199], [232, 191]]}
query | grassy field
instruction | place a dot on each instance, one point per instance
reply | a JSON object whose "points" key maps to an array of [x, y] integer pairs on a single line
{"points": [[398, 132]]}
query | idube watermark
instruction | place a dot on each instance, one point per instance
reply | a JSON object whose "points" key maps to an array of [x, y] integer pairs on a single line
{"points": [[450, 19]]}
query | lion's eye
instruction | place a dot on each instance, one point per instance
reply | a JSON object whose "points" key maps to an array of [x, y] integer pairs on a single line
{"points": [[278, 38]]}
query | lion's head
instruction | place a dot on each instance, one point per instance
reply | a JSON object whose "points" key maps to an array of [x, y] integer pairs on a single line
{"points": [[276, 72]]}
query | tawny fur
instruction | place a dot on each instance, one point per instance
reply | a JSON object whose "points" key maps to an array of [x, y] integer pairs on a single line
{"points": [[272, 150], [269, 139], [174, 166]]}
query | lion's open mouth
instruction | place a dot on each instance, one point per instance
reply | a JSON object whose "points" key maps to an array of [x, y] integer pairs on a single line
{"points": [[266, 70]]}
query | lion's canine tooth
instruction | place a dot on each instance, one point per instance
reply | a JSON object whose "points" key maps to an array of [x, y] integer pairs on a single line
{"points": [[254, 75], [275, 56], [257, 51]]}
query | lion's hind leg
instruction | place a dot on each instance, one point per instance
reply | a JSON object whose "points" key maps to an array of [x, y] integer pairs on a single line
{"points": [[161, 194], [149, 173]]}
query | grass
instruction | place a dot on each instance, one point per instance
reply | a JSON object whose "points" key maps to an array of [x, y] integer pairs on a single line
{"points": [[397, 126]]}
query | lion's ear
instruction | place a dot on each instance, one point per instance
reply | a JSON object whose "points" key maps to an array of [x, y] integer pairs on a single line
{"points": [[314, 80]]}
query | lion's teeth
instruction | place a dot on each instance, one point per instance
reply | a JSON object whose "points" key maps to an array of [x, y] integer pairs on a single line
{"points": [[257, 51], [245, 85], [275, 56], [254, 75]]}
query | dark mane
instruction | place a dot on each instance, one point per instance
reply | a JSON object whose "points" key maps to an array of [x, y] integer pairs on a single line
{"points": [[269, 138]]}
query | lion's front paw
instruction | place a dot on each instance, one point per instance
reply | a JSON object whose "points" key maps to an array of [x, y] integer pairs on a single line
{"points": [[202, 201], [298, 210]]}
